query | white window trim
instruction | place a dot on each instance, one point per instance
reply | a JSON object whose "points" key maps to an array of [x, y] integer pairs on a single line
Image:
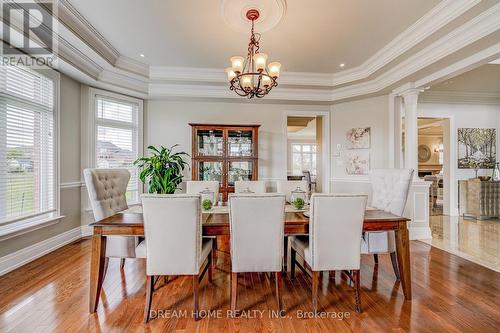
{"points": [[27, 224], [89, 121]]}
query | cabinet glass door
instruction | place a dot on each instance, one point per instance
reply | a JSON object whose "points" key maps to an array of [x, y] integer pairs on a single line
{"points": [[210, 171], [210, 142], [239, 170], [240, 143]]}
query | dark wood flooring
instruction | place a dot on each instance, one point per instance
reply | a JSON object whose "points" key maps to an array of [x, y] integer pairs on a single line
{"points": [[450, 294]]}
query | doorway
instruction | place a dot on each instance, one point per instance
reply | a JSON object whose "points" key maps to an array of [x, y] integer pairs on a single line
{"points": [[307, 146], [433, 152]]}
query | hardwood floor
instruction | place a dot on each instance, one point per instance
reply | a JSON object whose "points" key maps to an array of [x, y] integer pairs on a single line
{"points": [[450, 294]]}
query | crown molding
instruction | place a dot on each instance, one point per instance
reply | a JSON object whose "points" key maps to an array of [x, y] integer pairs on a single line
{"points": [[439, 16], [71, 18], [460, 97]]}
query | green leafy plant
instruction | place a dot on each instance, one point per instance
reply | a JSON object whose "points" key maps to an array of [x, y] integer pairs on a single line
{"points": [[207, 204], [162, 170], [298, 203]]}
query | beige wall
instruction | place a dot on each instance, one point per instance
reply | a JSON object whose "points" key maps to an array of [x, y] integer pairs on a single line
{"points": [[167, 123], [432, 142], [69, 141]]}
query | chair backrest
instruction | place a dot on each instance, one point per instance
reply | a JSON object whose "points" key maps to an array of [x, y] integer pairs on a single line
{"points": [[257, 227], [256, 186], [197, 186], [106, 189], [335, 229], [307, 176], [172, 227], [287, 186], [390, 189]]}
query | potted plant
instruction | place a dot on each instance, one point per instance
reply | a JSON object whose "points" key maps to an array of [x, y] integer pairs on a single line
{"points": [[162, 169]]}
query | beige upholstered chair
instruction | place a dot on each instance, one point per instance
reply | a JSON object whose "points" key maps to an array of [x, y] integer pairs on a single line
{"points": [[287, 186], [390, 189], [107, 189], [257, 228], [174, 243], [197, 186], [254, 186], [333, 243]]}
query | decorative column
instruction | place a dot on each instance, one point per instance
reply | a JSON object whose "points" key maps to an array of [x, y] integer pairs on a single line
{"points": [[410, 98], [417, 207]]}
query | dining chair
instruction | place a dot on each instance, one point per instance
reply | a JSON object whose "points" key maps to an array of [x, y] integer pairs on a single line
{"points": [[198, 186], [311, 183], [174, 243], [390, 189], [107, 193], [256, 224], [333, 243], [251, 186], [286, 187]]}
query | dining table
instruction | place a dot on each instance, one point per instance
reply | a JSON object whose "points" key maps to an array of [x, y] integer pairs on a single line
{"points": [[216, 223]]}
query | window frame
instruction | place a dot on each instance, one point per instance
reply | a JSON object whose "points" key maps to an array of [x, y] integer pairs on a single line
{"points": [[22, 225], [92, 128]]}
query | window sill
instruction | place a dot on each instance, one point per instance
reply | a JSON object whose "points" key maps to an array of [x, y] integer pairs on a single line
{"points": [[24, 226]]}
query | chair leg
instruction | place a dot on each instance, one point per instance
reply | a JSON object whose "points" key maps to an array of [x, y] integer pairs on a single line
{"points": [[315, 283], [357, 278], [293, 258], [285, 255], [122, 263], [234, 285], [165, 279], [214, 250], [278, 282], [210, 266], [149, 297], [195, 297], [332, 275], [394, 261], [375, 258]]}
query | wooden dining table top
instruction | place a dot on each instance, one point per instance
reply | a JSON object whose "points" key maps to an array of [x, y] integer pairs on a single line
{"points": [[135, 219]]}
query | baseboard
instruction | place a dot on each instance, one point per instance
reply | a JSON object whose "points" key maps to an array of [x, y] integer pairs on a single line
{"points": [[35, 251], [419, 233]]}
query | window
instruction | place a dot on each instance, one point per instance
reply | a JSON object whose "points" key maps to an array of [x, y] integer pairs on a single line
{"points": [[303, 158], [28, 154], [118, 143]]}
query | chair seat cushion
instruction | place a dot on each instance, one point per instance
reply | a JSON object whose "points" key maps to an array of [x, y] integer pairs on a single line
{"points": [[301, 245], [140, 250]]}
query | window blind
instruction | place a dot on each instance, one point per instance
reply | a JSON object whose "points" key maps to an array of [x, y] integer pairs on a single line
{"points": [[27, 144], [117, 138]]}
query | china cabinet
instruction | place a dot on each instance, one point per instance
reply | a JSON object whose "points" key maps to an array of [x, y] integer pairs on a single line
{"points": [[225, 153]]}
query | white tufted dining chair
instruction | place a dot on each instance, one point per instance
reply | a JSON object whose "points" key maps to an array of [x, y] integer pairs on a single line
{"points": [[174, 243], [197, 186], [287, 186], [390, 189], [257, 225], [107, 189], [255, 186], [333, 243]]}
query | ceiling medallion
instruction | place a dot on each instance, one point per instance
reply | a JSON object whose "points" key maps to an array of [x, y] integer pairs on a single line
{"points": [[249, 77]]}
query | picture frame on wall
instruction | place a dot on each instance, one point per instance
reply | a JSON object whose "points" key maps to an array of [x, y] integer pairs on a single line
{"points": [[358, 138], [357, 161], [476, 148]]}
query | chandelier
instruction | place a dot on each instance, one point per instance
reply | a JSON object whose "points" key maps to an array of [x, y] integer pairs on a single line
{"points": [[249, 77]]}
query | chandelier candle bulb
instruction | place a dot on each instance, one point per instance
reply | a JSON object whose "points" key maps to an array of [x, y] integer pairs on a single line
{"points": [[274, 69], [230, 74], [266, 81], [237, 64], [260, 61], [246, 82]]}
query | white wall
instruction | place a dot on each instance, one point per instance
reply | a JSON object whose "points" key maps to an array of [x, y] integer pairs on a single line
{"points": [[463, 116], [370, 112], [167, 123]]}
